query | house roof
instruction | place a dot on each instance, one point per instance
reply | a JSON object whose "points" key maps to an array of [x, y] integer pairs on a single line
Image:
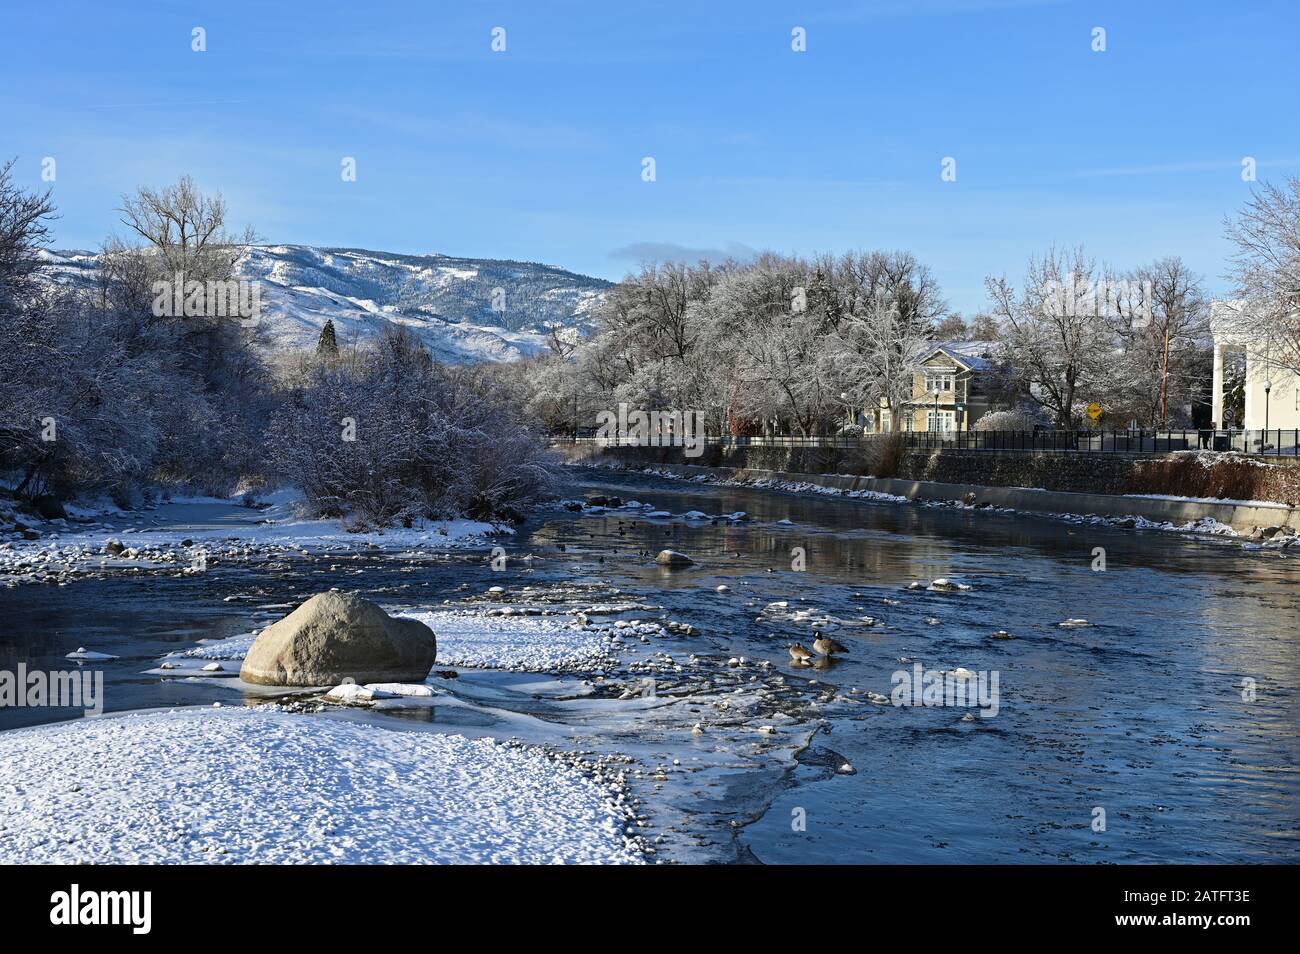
{"points": [[972, 355]]}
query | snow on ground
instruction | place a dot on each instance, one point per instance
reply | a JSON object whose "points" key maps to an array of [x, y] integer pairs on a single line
{"points": [[465, 638], [526, 643], [231, 648], [266, 786], [1211, 500], [182, 532]]}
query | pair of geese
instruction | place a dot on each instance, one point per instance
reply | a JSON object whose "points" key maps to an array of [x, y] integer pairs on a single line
{"points": [[822, 645]]}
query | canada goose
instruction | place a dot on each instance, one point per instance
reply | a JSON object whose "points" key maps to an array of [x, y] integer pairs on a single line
{"points": [[827, 646], [800, 654]]}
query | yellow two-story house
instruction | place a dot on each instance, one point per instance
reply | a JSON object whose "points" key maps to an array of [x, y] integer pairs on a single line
{"points": [[950, 391]]}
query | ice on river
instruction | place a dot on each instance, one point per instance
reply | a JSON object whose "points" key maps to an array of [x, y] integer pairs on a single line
{"points": [[528, 643], [266, 786]]}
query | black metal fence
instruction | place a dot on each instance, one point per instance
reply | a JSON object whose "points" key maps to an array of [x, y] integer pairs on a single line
{"points": [[1274, 442], [1271, 443]]}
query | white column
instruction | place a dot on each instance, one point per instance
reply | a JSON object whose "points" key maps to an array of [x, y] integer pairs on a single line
{"points": [[1217, 398]]}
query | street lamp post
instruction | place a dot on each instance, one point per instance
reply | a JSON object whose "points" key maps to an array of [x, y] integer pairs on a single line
{"points": [[937, 429], [1268, 386]]}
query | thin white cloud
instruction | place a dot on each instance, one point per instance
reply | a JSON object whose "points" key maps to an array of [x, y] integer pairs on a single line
{"points": [[644, 252]]}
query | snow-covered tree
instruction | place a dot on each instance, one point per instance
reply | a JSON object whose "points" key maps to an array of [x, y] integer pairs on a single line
{"points": [[1055, 336], [1266, 270]]}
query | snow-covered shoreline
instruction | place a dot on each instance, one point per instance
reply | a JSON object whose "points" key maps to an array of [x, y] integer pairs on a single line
{"points": [[1206, 526], [181, 535], [264, 785]]}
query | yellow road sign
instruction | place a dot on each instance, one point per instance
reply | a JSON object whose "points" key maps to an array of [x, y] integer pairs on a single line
{"points": [[1094, 410]]}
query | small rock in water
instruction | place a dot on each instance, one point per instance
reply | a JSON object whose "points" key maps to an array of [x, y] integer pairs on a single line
{"points": [[673, 558], [1074, 623], [350, 693], [81, 652], [723, 588], [943, 585]]}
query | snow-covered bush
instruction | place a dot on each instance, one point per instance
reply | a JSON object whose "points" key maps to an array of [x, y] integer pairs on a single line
{"points": [[389, 435], [98, 393], [1006, 421]]}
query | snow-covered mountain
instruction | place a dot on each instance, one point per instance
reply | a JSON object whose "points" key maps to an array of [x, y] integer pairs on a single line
{"points": [[462, 308]]}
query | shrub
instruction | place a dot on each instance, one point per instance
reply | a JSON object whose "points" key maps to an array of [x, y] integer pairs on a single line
{"points": [[1006, 421], [880, 455], [390, 436], [1194, 474]]}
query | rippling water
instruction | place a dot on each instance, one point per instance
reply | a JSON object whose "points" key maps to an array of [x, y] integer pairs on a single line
{"points": [[1140, 714]]}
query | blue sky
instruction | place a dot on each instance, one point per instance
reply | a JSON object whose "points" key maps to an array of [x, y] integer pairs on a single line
{"points": [[535, 153]]}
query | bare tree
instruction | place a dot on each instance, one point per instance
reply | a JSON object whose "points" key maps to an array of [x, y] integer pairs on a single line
{"points": [[186, 229], [983, 327], [1054, 334], [875, 356], [951, 328], [24, 231], [1266, 270], [1165, 338]]}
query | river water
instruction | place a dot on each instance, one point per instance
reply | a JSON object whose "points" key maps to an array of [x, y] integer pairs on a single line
{"points": [[1141, 719]]}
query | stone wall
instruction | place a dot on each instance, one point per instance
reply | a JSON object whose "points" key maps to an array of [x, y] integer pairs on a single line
{"points": [[1218, 476], [1072, 473]]}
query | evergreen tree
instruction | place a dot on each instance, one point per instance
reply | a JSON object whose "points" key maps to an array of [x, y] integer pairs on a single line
{"points": [[328, 343]]}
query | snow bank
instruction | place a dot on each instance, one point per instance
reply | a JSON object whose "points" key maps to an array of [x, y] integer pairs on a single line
{"points": [[180, 534], [265, 786]]}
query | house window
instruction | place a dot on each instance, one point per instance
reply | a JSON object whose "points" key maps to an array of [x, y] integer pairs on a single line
{"points": [[942, 421], [938, 381]]}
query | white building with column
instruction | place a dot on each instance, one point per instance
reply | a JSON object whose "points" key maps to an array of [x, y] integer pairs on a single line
{"points": [[1272, 391]]}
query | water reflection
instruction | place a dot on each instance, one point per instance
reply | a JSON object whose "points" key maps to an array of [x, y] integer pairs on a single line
{"points": [[1140, 713]]}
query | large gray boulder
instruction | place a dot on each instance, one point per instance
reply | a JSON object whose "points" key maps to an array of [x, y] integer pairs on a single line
{"points": [[334, 637]]}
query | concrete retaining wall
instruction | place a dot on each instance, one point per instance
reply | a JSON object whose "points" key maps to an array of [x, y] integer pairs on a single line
{"points": [[1238, 516]]}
